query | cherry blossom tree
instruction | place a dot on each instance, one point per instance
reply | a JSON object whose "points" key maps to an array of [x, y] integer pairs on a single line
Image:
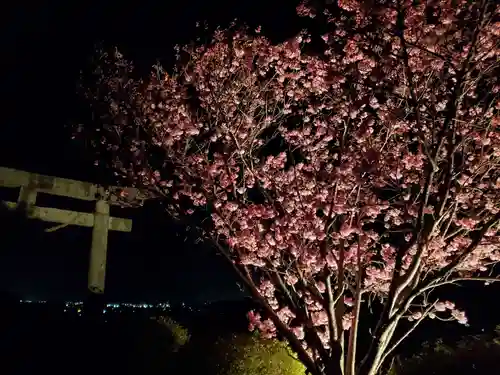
{"points": [[366, 171]]}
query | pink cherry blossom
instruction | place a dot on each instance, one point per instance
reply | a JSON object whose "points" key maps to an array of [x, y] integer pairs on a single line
{"points": [[367, 171]]}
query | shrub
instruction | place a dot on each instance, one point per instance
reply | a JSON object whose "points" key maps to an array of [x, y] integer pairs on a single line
{"points": [[476, 354], [180, 334], [246, 354]]}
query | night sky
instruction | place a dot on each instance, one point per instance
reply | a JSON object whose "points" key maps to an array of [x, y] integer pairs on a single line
{"points": [[44, 45]]}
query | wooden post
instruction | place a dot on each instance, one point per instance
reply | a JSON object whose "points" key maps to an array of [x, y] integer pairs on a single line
{"points": [[97, 263]]}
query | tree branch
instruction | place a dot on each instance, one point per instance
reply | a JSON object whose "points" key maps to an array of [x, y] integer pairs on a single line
{"points": [[404, 336], [475, 242]]}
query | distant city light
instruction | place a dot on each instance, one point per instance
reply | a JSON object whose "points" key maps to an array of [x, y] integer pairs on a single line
{"points": [[121, 307]]}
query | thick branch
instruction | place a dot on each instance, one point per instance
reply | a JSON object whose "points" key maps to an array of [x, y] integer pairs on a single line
{"points": [[332, 326]]}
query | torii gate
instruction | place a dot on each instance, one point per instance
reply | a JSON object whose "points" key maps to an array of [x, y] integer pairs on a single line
{"points": [[100, 221]]}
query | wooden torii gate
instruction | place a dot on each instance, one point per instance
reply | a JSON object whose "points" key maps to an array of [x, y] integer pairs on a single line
{"points": [[100, 221]]}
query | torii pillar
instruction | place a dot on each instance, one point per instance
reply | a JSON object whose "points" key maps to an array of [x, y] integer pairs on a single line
{"points": [[97, 262]]}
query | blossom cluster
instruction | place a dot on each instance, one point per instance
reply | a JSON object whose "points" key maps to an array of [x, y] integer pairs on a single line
{"points": [[313, 163]]}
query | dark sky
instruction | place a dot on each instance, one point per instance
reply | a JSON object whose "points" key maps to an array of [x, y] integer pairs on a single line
{"points": [[44, 45], [156, 261]]}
